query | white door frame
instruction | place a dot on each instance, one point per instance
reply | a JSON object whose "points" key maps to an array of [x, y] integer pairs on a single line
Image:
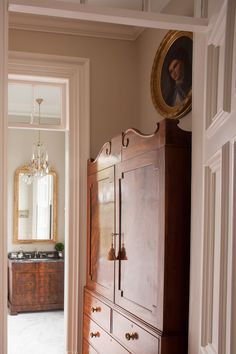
{"points": [[201, 28], [76, 70], [78, 148], [3, 174], [213, 247]]}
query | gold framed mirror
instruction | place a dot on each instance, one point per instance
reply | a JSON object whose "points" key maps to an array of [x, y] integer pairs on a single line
{"points": [[35, 207]]}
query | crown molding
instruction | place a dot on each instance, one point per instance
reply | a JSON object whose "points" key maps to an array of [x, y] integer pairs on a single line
{"points": [[68, 9], [48, 24]]}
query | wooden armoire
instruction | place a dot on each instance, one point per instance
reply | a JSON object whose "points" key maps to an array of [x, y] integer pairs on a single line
{"points": [[136, 295]]}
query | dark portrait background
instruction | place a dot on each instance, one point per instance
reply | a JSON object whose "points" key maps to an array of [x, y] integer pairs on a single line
{"points": [[181, 49]]}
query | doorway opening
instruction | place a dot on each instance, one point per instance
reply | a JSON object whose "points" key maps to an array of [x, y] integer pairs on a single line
{"points": [[76, 136], [36, 214]]}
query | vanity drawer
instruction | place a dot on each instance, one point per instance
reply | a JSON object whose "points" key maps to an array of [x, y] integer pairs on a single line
{"points": [[24, 266], [134, 337], [51, 266], [101, 341], [98, 311]]}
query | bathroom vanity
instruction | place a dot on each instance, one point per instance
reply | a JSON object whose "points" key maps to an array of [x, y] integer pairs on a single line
{"points": [[35, 285]]}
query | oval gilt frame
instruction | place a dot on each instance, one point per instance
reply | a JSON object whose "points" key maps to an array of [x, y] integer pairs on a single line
{"points": [[161, 82]]}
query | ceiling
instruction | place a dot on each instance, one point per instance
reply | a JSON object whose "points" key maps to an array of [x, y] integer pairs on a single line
{"points": [[124, 4], [42, 23], [72, 27], [138, 5]]}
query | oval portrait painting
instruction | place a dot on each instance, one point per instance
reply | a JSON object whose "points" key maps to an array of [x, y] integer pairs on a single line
{"points": [[171, 79]]}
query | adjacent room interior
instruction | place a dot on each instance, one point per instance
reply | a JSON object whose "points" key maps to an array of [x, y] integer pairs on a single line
{"points": [[36, 209], [118, 234]]}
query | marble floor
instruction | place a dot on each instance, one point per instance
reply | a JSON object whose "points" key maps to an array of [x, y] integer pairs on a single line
{"points": [[36, 333]]}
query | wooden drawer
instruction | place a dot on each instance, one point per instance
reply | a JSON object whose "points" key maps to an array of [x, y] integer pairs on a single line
{"points": [[98, 311], [134, 337], [88, 349], [56, 266], [101, 341], [24, 267]]}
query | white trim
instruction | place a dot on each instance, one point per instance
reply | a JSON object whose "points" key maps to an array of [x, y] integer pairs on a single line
{"points": [[201, 8], [216, 42], [72, 10], [208, 258], [231, 258], [217, 123], [62, 84], [217, 30], [213, 54], [212, 167], [219, 162], [229, 48], [3, 174], [160, 6], [224, 247], [234, 66], [197, 199], [220, 41], [76, 70], [72, 27], [204, 8], [208, 350], [41, 80]]}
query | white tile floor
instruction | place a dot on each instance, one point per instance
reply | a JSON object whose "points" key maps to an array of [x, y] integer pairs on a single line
{"points": [[36, 333]]}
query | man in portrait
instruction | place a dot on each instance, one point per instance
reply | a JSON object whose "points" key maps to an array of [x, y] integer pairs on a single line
{"points": [[177, 80]]}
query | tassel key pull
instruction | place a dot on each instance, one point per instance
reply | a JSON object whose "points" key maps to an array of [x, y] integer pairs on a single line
{"points": [[122, 253], [111, 256]]}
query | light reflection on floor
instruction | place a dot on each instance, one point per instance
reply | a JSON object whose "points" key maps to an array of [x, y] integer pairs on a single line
{"points": [[36, 333]]}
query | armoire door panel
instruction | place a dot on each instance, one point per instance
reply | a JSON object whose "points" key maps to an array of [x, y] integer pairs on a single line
{"points": [[101, 229], [139, 218], [136, 295]]}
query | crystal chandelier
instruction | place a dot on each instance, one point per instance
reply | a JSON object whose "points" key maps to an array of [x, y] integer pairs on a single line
{"points": [[38, 166]]}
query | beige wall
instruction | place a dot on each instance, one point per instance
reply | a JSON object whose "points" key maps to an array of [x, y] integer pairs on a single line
{"points": [[120, 74], [113, 79], [19, 153], [147, 45]]}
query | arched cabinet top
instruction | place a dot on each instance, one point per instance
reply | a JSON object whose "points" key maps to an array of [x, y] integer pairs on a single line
{"points": [[132, 142]]}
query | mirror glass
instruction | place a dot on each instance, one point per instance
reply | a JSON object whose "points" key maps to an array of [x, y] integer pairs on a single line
{"points": [[35, 207]]}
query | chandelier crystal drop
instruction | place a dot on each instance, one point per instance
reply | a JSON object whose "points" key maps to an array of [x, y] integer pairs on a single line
{"points": [[39, 161], [38, 166]]}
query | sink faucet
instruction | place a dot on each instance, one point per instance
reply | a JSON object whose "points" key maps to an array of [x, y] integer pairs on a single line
{"points": [[20, 253]]}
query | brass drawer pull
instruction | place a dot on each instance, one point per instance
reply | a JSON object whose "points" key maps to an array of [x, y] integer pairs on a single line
{"points": [[94, 334], [132, 336], [96, 309]]}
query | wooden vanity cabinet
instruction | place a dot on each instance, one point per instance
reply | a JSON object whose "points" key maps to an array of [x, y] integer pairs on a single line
{"points": [[35, 286], [139, 207]]}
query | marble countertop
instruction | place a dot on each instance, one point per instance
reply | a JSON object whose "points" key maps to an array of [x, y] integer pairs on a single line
{"points": [[35, 260]]}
